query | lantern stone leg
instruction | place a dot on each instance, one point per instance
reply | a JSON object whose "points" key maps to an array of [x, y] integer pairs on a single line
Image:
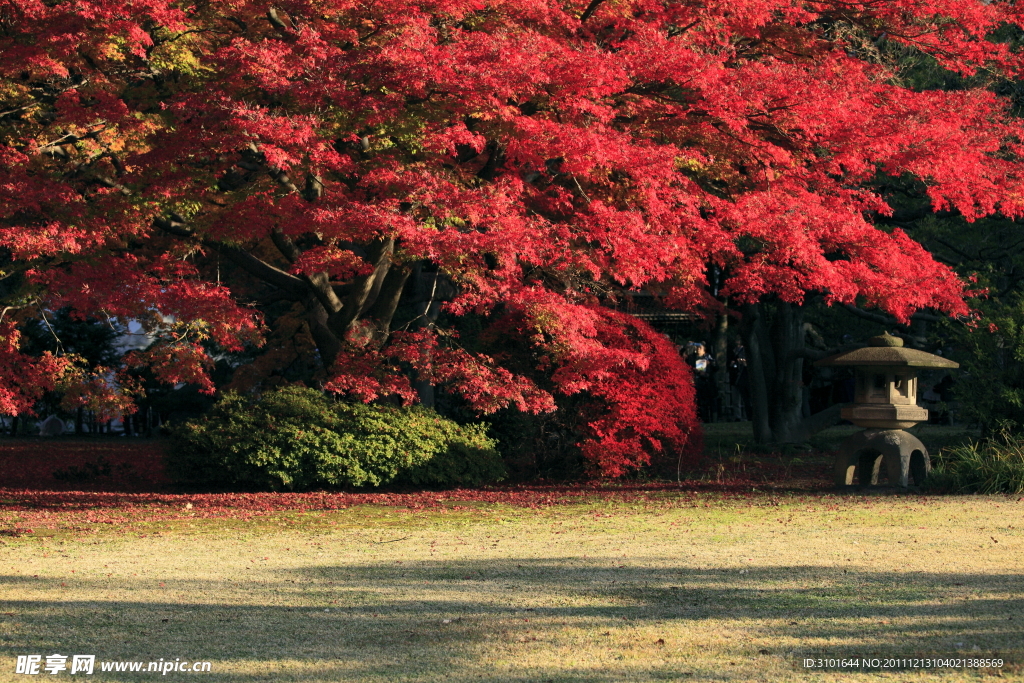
{"points": [[863, 455]]}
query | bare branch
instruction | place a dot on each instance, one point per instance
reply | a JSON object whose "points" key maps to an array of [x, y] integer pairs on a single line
{"points": [[60, 344], [18, 110]]}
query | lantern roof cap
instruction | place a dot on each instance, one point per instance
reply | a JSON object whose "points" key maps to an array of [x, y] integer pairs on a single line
{"points": [[887, 350]]}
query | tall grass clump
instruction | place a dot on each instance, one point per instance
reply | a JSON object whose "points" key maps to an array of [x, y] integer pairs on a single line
{"points": [[992, 466]]}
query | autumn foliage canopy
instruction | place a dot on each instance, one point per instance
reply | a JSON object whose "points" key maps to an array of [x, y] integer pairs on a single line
{"points": [[355, 174]]}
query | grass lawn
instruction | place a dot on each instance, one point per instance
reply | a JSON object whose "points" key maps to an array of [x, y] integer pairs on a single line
{"points": [[622, 585]]}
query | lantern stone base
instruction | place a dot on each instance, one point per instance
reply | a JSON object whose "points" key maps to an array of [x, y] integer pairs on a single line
{"points": [[863, 455]]}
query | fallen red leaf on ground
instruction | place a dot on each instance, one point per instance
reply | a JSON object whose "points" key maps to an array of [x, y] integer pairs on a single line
{"points": [[121, 483]]}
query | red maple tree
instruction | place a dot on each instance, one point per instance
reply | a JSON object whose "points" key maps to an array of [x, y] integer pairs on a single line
{"points": [[350, 173]]}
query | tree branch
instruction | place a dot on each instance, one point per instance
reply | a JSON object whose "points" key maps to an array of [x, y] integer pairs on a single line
{"points": [[320, 283], [810, 354], [591, 8], [911, 215], [886, 319], [824, 419], [383, 309], [956, 250], [240, 257], [366, 288], [278, 23], [881, 318], [494, 161], [112, 184], [285, 245], [260, 268]]}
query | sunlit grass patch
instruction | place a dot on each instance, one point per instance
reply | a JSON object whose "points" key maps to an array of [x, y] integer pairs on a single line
{"points": [[683, 587]]}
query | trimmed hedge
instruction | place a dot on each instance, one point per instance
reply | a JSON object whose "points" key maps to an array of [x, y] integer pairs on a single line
{"points": [[297, 438]]}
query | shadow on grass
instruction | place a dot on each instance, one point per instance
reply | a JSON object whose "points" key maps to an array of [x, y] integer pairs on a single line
{"points": [[412, 620]]}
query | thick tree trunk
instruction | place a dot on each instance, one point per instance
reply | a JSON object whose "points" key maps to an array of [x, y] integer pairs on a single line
{"points": [[427, 292], [327, 342], [406, 297]]}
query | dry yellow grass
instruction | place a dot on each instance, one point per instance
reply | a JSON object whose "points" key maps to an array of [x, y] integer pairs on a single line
{"points": [[716, 589]]}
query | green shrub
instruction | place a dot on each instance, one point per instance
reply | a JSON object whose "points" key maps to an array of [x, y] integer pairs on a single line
{"points": [[994, 466], [471, 458], [296, 438]]}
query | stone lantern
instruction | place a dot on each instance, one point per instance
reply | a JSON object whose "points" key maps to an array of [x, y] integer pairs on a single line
{"points": [[885, 403]]}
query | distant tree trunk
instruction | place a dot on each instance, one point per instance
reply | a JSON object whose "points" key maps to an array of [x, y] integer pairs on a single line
{"points": [[919, 333], [775, 361], [787, 334], [79, 420], [752, 329], [720, 350], [425, 393]]}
